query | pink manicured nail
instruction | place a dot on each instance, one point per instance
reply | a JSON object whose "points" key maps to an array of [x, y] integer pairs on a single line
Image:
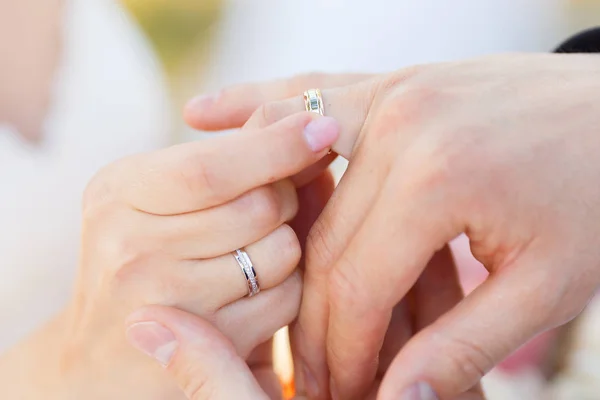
{"points": [[321, 133], [419, 391], [153, 339]]}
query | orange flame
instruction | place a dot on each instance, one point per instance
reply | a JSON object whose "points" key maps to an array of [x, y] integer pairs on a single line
{"points": [[283, 363]]}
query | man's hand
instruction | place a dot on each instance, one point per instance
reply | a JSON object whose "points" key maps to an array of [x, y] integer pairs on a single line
{"points": [[505, 149]]}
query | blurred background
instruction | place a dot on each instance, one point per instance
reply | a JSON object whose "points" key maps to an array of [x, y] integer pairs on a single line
{"points": [[204, 45], [112, 80]]}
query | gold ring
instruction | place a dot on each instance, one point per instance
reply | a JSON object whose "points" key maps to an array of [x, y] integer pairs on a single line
{"points": [[313, 101]]}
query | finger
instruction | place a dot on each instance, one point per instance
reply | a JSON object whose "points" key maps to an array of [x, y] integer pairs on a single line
{"points": [[254, 320], [437, 291], [400, 330], [200, 175], [232, 107], [223, 229], [458, 349], [268, 381], [349, 105], [312, 199], [329, 235], [423, 391], [311, 172], [260, 362], [201, 360], [380, 264], [274, 258]]}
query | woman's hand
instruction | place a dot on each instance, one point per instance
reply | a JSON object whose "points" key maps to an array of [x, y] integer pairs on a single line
{"points": [[204, 363], [159, 229], [502, 148]]}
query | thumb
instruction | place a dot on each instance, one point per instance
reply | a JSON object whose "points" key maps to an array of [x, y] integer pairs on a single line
{"points": [[202, 361], [454, 352]]}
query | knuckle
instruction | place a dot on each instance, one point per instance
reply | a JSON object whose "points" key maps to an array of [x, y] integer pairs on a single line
{"points": [[288, 246], [268, 113], [99, 191], [300, 83], [119, 246], [407, 106], [122, 251], [266, 206], [469, 361], [290, 297], [438, 162], [559, 303], [195, 384], [198, 177]]}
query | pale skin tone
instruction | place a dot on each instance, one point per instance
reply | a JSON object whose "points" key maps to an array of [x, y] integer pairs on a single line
{"points": [[503, 148], [434, 118], [206, 365], [158, 229], [30, 49]]}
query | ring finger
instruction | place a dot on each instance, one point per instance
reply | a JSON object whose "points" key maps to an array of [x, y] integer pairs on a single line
{"points": [[232, 107], [349, 105], [222, 280]]}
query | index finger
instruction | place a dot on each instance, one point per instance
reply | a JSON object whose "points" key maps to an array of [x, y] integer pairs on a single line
{"points": [[199, 175]]}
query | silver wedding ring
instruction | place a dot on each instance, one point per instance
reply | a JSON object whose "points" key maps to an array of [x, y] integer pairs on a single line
{"points": [[243, 260], [313, 101]]}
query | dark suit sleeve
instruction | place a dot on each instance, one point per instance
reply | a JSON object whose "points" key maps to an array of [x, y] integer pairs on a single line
{"points": [[584, 42]]}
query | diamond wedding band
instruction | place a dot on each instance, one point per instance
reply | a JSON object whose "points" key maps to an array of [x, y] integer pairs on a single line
{"points": [[243, 260]]}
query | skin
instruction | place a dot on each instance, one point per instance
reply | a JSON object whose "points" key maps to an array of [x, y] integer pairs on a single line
{"points": [[504, 149], [30, 44], [158, 228], [205, 364]]}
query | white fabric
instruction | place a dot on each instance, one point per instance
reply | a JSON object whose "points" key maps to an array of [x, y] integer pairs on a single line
{"points": [[109, 101]]}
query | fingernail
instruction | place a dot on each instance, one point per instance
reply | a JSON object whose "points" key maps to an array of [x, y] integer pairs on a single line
{"points": [[321, 133], [335, 395], [310, 383], [202, 101], [153, 339], [419, 391]]}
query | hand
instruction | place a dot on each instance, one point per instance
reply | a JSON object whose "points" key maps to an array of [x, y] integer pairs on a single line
{"points": [[159, 229], [202, 361], [502, 148]]}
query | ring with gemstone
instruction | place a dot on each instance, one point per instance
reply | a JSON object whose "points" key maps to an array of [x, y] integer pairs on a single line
{"points": [[313, 101]]}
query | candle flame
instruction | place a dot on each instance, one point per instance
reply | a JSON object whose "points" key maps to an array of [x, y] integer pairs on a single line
{"points": [[283, 363]]}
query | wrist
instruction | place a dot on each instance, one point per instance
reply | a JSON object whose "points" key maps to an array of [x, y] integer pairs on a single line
{"points": [[33, 368]]}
